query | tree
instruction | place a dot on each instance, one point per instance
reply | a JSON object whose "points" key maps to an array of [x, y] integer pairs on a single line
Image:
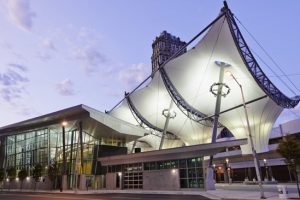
{"points": [[2, 175], [53, 173], [37, 173], [289, 149], [23, 173], [11, 173]]}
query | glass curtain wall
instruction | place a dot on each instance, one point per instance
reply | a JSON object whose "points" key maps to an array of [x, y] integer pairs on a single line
{"points": [[78, 158], [45, 146], [26, 149]]}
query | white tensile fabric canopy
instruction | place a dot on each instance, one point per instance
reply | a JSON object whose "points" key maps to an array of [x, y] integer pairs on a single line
{"points": [[192, 74]]}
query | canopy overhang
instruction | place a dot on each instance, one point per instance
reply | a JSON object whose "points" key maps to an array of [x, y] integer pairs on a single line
{"points": [[94, 122]]}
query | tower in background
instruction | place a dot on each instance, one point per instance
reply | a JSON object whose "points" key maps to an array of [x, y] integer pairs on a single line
{"points": [[164, 46]]}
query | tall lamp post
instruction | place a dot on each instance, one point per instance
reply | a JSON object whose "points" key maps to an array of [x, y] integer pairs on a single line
{"points": [[266, 168], [228, 170], [256, 163]]}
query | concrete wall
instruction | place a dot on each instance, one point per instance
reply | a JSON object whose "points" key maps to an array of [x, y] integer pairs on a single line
{"points": [[28, 184], [166, 179], [111, 181]]}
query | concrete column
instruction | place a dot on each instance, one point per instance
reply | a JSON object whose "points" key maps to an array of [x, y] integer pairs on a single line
{"points": [[64, 182], [82, 182], [209, 180]]}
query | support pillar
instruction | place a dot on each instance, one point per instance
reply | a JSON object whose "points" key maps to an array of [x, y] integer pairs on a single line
{"points": [[82, 182], [71, 153], [81, 145], [209, 178], [76, 163], [64, 182], [64, 176], [82, 179], [168, 116]]}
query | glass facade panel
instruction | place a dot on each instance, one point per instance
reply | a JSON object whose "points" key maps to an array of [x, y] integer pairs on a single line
{"points": [[45, 146], [26, 149], [191, 176]]}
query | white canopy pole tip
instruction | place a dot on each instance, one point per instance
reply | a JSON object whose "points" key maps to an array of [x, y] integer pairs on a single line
{"points": [[222, 64]]}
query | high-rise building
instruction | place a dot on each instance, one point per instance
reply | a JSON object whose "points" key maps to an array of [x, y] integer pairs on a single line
{"points": [[164, 46]]}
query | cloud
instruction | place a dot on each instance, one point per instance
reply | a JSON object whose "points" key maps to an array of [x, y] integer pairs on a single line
{"points": [[65, 88], [90, 57], [46, 49], [85, 48], [47, 44], [10, 93], [44, 56], [11, 78], [20, 13], [18, 66], [133, 75], [26, 111], [12, 82], [6, 45]]}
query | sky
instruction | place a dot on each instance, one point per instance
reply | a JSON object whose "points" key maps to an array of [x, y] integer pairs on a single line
{"points": [[56, 54]]}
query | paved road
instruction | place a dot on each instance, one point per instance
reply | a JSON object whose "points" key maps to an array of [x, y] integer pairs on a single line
{"points": [[57, 196]]}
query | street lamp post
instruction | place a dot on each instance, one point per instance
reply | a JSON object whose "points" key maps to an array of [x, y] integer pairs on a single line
{"points": [[256, 163], [215, 173], [228, 170], [266, 168]]}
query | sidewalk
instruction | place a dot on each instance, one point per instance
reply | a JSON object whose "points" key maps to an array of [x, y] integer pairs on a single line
{"points": [[220, 194], [245, 195]]}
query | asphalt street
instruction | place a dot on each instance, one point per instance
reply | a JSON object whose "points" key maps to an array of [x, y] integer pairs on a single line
{"points": [[57, 196]]}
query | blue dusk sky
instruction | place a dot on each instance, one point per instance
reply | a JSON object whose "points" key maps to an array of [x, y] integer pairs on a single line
{"points": [[56, 54]]}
